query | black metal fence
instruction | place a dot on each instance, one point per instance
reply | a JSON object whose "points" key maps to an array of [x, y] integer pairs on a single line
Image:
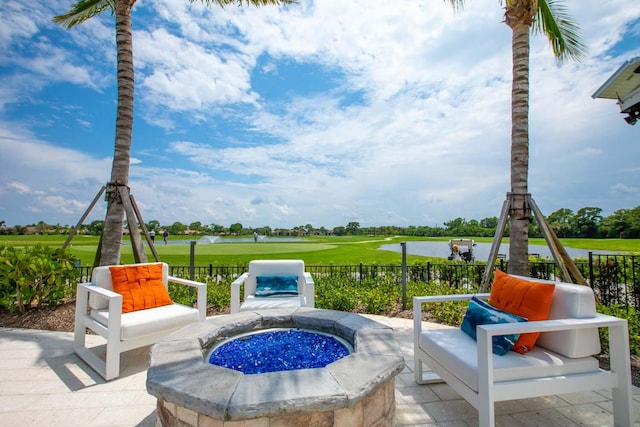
{"points": [[614, 278]]}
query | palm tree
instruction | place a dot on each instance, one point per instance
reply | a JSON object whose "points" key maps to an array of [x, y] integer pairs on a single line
{"points": [[81, 11], [551, 18]]}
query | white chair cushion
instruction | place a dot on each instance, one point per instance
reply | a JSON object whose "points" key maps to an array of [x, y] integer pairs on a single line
{"points": [[572, 302], [151, 321], [268, 303], [273, 267], [458, 353]]}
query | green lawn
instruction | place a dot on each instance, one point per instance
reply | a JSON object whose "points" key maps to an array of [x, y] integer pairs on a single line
{"points": [[313, 250]]}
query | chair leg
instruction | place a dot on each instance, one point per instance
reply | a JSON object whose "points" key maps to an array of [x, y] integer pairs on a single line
{"points": [[486, 415], [112, 361], [621, 395], [79, 329], [417, 370]]}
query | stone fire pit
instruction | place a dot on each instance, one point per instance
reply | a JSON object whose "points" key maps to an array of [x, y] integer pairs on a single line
{"points": [[357, 390]]}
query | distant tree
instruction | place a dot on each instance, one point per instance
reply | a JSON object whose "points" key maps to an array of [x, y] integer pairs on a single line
{"points": [[339, 231], [195, 226], [216, 228], [154, 224], [560, 222], [455, 223], [95, 228], [236, 228], [352, 227], [489, 223], [264, 231], [42, 227], [623, 223], [176, 228], [456, 227], [585, 222]]}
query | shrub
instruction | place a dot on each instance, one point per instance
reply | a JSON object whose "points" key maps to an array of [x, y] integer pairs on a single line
{"points": [[634, 326], [383, 295], [218, 293], [34, 276], [450, 312], [336, 293]]}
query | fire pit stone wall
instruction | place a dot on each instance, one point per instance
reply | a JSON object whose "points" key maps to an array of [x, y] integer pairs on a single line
{"points": [[357, 390]]}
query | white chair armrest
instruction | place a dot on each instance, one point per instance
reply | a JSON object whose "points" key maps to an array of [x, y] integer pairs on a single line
{"points": [[309, 289], [95, 289], [235, 292], [114, 302], [186, 282], [599, 321], [201, 302]]}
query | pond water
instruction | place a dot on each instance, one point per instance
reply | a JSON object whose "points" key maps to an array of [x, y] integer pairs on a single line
{"points": [[480, 251]]}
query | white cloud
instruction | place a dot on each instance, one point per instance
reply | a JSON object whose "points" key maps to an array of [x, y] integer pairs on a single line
{"points": [[17, 187], [624, 189], [47, 175], [427, 141]]}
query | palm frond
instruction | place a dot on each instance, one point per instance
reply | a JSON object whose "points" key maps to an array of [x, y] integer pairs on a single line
{"points": [[456, 4], [83, 10], [555, 22], [223, 3]]}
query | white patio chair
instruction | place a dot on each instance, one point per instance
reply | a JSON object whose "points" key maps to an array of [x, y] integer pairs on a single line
{"points": [[562, 361], [275, 297], [99, 309]]}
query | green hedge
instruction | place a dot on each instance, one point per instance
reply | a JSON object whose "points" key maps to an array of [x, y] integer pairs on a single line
{"points": [[32, 277]]}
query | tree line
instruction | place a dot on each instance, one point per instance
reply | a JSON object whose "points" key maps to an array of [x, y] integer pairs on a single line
{"points": [[587, 222]]}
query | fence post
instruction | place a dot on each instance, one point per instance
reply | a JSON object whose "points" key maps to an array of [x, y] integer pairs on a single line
{"points": [[591, 281], [404, 275], [192, 260]]}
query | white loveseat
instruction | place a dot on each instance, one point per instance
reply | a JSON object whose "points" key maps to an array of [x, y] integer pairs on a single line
{"points": [[561, 362], [286, 267], [99, 308]]}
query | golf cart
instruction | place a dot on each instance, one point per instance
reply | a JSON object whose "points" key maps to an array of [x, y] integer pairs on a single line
{"points": [[461, 250]]}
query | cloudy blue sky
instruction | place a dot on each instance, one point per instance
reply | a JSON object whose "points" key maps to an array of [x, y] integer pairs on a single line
{"points": [[321, 113]]}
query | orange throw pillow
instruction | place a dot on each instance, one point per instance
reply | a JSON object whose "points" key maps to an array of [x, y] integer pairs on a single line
{"points": [[141, 286], [531, 300]]}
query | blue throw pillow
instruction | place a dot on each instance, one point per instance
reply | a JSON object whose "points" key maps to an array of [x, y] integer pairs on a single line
{"points": [[269, 286], [481, 313]]}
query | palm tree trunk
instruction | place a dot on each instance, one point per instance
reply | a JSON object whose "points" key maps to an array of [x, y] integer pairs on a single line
{"points": [[520, 211], [114, 221]]}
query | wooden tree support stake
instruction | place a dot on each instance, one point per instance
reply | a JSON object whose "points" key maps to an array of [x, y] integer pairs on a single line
{"points": [[568, 269], [86, 214], [143, 227], [134, 219]]}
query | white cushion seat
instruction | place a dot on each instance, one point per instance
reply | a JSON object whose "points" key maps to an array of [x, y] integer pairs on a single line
{"points": [[252, 302], [463, 362], [141, 323]]}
